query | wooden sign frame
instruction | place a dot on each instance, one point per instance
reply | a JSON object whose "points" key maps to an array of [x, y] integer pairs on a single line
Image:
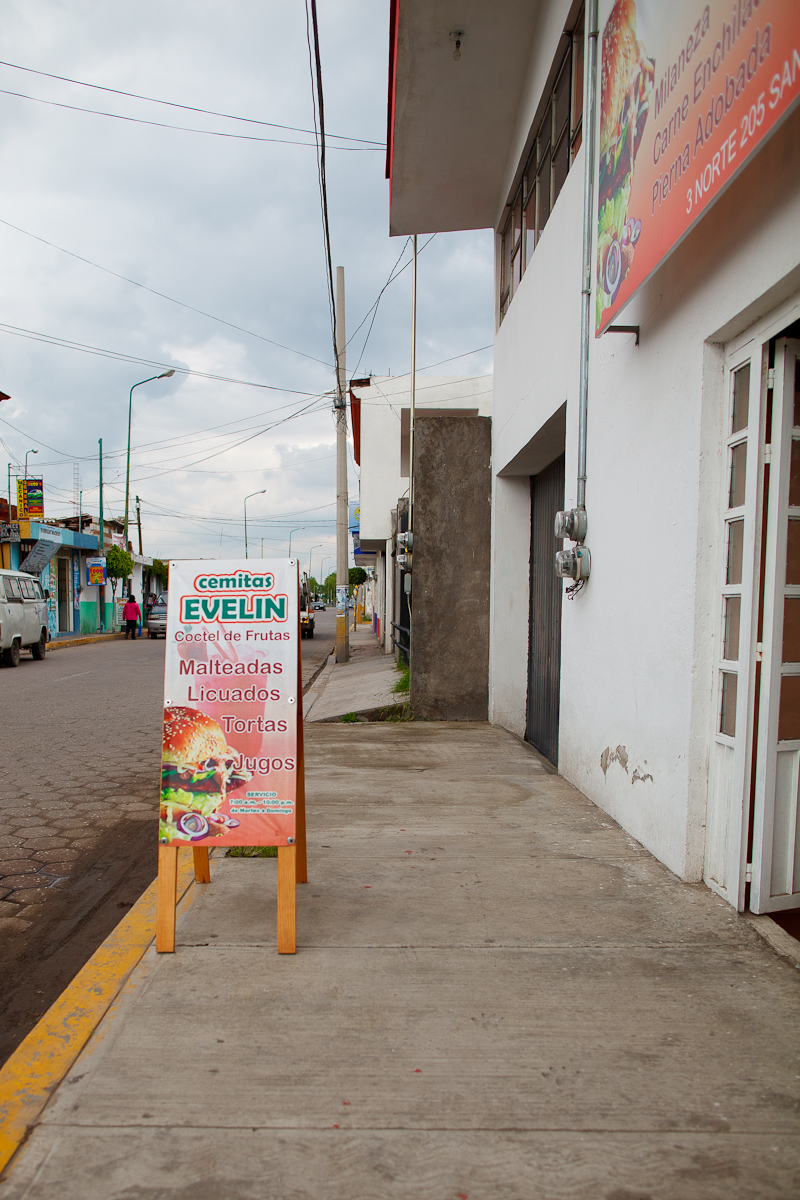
{"points": [[292, 860]]}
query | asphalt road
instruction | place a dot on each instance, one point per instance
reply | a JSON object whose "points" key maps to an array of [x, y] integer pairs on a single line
{"points": [[79, 806], [316, 649]]}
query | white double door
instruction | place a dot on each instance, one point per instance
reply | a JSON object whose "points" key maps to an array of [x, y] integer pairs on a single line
{"points": [[775, 864], [752, 835]]}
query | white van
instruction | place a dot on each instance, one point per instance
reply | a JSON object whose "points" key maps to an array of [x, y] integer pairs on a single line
{"points": [[23, 617]]}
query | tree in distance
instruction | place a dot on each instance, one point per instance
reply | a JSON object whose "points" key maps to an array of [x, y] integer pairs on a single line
{"points": [[357, 575], [160, 571], [119, 565]]}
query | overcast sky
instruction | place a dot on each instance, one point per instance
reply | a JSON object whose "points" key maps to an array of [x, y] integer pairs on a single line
{"points": [[226, 225]]}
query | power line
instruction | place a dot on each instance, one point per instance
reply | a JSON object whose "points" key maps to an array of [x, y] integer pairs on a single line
{"points": [[374, 306], [243, 137], [66, 344], [374, 309], [87, 458], [318, 102], [208, 112], [233, 446], [162, 295]]}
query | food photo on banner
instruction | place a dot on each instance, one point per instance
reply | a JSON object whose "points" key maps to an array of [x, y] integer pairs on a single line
{"points": [[688, 92], [229, 747]]}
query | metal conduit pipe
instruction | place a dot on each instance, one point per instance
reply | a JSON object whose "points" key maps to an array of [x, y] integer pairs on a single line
{"points": [[576, 563]]}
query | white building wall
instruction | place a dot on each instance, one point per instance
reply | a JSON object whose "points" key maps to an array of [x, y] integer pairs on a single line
{"points": [[637, 643], [381, 405]]}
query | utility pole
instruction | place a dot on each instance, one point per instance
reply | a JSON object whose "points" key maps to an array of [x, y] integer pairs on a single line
{"points": [[342, 574], [101, 588], [412, 406], [139, 523]]}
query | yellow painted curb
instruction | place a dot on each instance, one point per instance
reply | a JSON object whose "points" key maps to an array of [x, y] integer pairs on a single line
{"points": [[40, 1062], [83, 641]]}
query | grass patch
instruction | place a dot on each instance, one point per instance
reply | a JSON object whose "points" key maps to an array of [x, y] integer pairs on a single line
{"points": [[404, 682], [349, 718], [253, 852], [406, 713]]}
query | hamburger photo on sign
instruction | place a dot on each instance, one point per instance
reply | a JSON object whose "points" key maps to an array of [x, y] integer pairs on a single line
{"points": [[199, 770], [626, 88]]}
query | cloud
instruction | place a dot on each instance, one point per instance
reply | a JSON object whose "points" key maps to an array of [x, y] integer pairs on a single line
{"points": [[230, 227]]}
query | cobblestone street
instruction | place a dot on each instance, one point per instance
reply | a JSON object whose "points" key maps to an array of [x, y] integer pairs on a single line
{"points": [[78, 800], [82, 756]]}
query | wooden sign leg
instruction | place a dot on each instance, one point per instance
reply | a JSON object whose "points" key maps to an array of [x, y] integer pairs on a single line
{"points": [[300, 793], [202, 867], [167, 898], [287, 900], [300, 801]]}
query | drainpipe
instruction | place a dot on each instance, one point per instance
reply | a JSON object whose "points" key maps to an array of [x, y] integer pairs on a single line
{"points": [[576, 563]]}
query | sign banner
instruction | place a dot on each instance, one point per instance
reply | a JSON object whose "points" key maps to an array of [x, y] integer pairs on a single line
{"points": [[689, 91], [9, 531], [30, 498], [229, 748], [95, 571], [51, 533]]}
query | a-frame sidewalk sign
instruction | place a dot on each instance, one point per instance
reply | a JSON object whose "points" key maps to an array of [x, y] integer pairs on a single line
{"points": [[232, 744]]}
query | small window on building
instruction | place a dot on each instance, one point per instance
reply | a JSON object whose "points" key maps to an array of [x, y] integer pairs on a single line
{"points": [[727, 714], [556, 142]]}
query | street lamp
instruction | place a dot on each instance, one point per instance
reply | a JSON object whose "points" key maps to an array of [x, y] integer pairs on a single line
{"points": [[311, 551], [163, 375], [291, 531], [27, 452], [322, 569], [261, 493]]}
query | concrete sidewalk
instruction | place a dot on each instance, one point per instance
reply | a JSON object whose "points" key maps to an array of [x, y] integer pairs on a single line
{"points": [[362, 685], [497, 995]]}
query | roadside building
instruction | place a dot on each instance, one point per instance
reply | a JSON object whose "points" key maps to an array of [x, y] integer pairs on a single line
{"points": [[57, 556], [667, 685], [65, 555], [381, 422]]}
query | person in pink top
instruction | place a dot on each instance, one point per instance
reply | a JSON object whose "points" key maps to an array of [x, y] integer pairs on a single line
{"points": [[131, 615]]}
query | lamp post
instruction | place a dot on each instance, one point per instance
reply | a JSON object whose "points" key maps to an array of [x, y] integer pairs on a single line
{"points": [[261, 493], [150, 378], [291, 531], [322, 571], [311, 551], [27, 452]]}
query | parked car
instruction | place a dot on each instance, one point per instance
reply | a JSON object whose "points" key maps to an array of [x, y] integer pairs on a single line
{"points": [[23, 617], [157, 621]]}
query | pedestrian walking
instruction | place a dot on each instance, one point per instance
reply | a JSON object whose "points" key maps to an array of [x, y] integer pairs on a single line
{"points": [[131, 615]]}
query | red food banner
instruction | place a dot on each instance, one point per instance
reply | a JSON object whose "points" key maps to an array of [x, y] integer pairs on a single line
{"points": [[688, 92], [229, 748]]}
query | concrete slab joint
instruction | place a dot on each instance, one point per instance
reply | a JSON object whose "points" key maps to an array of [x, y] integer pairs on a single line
{"points": [[497, 993]]}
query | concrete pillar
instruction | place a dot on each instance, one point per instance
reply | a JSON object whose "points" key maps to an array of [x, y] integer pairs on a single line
{"points": [[451, 568]]}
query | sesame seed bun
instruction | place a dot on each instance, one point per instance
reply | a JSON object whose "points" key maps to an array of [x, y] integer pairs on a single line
{"points": [[191, 737], [620, 55]]}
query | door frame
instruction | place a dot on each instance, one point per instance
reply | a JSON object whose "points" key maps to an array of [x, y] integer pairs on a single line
{"points": [[773, 666], [752, 345]]}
